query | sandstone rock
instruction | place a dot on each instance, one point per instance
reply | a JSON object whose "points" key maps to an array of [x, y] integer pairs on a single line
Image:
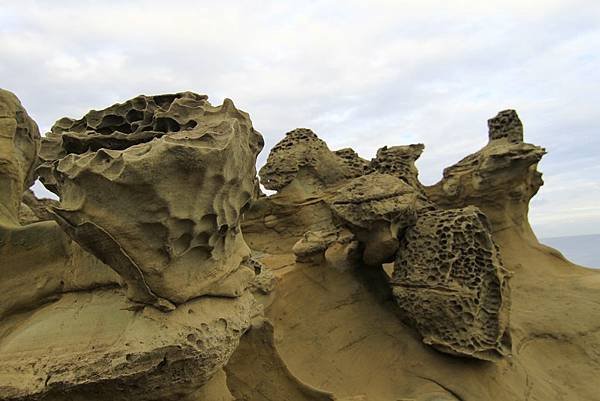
{"points": [[39, 207], [311, 248], [449, 281], [155, 187], [337, 248], [354, 162], [377, 208], [324, 191], [500, 179], [264, 281], [161, 204], [302, 155], [92, 346], [19, 145], [399, 161], [38, 261], [276, 223], [257, 371]]}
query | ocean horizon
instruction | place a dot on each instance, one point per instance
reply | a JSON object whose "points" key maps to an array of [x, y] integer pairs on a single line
{"points": [[583, 250]]}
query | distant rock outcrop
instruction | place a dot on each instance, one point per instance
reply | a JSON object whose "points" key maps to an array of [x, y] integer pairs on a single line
{"points": [[302, 156]]}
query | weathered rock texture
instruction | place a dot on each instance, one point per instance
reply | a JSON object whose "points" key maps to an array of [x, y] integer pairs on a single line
{"points": [[377, 208], [449, 281], [146, 290], [155, 187], [90, 346], [19, 145], [399, 161], [165, 197], [302, 156], [444, 260], [37, 260], [500, 179]]}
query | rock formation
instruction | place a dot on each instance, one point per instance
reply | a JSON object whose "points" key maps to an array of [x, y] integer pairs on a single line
{"points": [[152, 192], [94, 347], [155, 188], [449, 280], [19, 146], [302, 159], [139, 283], [377, 208], [38, 261], [500, 179]]}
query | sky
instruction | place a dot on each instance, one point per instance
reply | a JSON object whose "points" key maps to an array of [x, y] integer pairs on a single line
{"points": [[361, 74]]}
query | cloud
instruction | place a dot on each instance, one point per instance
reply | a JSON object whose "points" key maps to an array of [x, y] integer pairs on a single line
{"points": [[361, 74]]}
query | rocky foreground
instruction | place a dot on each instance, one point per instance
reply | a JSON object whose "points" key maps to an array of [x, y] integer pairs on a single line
{"points": [[164, 273]]}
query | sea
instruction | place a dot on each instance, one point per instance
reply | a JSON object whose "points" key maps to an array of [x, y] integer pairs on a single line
{"points": [[583, 250]]}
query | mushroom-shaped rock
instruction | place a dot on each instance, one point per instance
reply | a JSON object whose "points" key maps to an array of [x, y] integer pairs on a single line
{"points": [[450, 283], [155, 187], [377, 208]]}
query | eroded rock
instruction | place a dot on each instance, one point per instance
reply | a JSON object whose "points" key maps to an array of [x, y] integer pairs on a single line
{"points": [[449, 281], [399, 161], [500, 179], [377, 208], [303, 156], [19, 146], [93, 346], [155, 187], [38, 261], [338, 249]]}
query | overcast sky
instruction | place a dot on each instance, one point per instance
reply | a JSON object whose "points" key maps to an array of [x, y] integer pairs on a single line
{"points": [[362, 74]]}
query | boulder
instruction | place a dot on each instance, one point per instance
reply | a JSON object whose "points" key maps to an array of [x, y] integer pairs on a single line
{"points": [[155, 188], [450, 283]]}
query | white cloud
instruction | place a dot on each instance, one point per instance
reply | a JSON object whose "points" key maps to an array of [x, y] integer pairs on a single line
{"points": [[361, 74]]}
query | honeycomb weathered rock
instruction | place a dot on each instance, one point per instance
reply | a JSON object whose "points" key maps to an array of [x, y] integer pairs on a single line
{"points": [[449, 281], [507, 125], [302, 153], [399, 161]]}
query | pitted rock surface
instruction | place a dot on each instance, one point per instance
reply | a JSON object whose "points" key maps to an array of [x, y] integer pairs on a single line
{"points": [[500, 179], [399, 161], [450, 283], [302, 154]]}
